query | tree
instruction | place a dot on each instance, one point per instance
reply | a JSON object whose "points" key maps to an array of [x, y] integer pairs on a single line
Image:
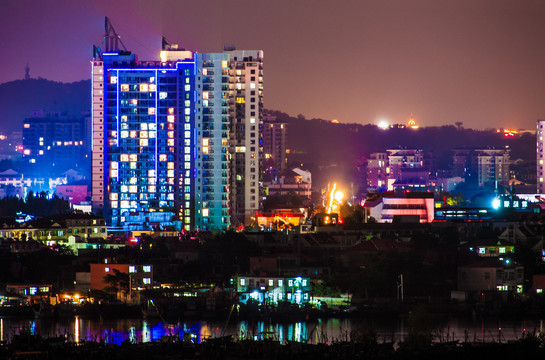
{"points": [[118, 281]]}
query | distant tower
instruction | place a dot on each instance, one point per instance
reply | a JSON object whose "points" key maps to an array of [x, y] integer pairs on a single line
{"points": [[27, 72]]}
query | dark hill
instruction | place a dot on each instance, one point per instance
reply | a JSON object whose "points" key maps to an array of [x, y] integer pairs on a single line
{"points": [[332, 150], [18, 99]]}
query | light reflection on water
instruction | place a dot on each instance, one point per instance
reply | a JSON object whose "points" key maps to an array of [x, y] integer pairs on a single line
{"points": [[321, 331]]}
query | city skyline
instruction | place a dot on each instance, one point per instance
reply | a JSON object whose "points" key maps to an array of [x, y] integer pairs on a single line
{"points": [[476, 62]]}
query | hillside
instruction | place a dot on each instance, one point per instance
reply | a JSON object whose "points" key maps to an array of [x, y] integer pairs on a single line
{"points": [[333, 151], [18, 99]]}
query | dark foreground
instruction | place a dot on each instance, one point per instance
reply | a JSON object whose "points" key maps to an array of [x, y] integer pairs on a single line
{"points": [[26, 346]]}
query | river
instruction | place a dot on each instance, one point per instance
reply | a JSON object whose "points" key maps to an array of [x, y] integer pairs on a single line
{"points": [[321, 331]]}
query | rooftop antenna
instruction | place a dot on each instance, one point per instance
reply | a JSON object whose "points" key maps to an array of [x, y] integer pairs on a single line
{"points": [[27, 72], [111, 42]]}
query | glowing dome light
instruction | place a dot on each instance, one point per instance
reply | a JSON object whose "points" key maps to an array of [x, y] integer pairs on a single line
{"points": [[383, 124]]}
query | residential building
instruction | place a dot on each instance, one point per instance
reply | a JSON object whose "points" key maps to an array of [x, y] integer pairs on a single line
{"points": [[176, 141], [480, 167], [56, 228], [275, 143], [399, 159], [55, 140], [12, 183], [296, 181], [493, 166], [272, 289], [74, 193], [377, 170], [491, 274], [410, 206], [540, 152], [31, 293], [140, 276], [246, 145]]}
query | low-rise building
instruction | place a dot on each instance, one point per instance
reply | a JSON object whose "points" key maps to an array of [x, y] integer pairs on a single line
{"points": [[389, 205], [140, 276], [491, 274], [272, 289], [57, 228]]}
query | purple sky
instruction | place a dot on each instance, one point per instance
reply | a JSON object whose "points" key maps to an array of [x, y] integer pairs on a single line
{"points": [[475, 61]]}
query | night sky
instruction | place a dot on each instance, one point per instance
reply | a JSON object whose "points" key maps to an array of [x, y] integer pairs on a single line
{"points": [[479, 62]]}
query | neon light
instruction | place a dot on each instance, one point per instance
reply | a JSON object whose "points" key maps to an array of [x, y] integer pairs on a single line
{"points": [[156, 130], [117, 114], [110, 54], [117, 120], [92, 107]]}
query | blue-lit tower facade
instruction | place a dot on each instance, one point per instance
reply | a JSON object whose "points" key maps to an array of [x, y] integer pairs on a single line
{"points": [[213, 126], [149, 142], [165, 134]]}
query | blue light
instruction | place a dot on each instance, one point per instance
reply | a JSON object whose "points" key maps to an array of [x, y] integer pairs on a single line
{"points": [[496, 203], [110, 54]]}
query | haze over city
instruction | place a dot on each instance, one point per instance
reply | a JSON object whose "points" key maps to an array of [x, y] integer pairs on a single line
{"points": [[478, 62]]}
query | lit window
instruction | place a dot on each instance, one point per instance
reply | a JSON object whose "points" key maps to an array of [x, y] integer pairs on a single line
{"points": [[144, 87], [151, 111], [146, 281], [113, 80], [242, 282], [271, 282], [132, 269], [152, 87], [124, 87], [205, 212], [107, 269], [280, 282], [482, 250], [147, 268]]}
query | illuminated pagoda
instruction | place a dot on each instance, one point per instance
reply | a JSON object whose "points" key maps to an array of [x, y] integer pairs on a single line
{"points": [[412, 123]]}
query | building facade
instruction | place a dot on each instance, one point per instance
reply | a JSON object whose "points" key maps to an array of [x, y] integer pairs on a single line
{"points": [[540, 150], [246, 145], [55, 140], [174, 142], [377, 170], [275, 142], [480, 167]]}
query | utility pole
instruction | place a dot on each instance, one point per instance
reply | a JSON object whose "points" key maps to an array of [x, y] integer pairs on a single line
{"points": [[400, 288]]}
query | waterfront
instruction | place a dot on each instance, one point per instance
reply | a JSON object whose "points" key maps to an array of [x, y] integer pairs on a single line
{"points": [[322, 331]]}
